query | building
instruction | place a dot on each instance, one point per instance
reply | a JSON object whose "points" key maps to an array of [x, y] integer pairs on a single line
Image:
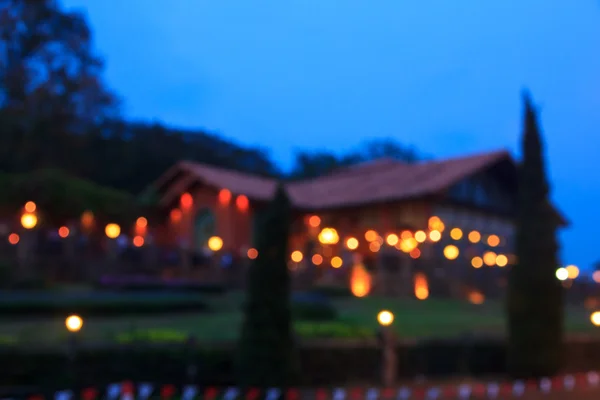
{"points": [[447, 219]]}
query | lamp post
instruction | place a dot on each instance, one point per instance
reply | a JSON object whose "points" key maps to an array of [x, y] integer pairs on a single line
{"points": [[73, 323], [385, 319]]}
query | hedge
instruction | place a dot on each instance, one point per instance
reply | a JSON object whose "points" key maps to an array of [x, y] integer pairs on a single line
{"points": [[158, 285], [108, 304]]}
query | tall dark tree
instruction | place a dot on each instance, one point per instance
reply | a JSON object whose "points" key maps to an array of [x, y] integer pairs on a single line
{"points": [[535, 296], [266, 348]]}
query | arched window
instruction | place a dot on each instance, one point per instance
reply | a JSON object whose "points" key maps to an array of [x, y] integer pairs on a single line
{"points": [[204, 227]]}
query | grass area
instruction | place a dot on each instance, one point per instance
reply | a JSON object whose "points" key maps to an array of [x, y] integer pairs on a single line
{"points": [[413, 319]]}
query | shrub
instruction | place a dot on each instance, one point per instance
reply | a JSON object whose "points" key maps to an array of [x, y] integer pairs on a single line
{"points": [[332, 330], [107, 304]]}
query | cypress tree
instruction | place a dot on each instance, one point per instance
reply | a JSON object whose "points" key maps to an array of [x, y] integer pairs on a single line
{"points": [[535, 296], [266, 356]]}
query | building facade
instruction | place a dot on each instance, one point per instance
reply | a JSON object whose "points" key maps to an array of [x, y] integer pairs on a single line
{"points": [[443, 226]]}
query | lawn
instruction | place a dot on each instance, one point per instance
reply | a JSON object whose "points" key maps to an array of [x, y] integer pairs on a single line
{"points": [[357, 319]]}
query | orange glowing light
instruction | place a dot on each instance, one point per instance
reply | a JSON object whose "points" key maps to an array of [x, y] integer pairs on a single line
{"points": [[176, 215], [489, 258], [336, 262], [420, 236], [63, 232], [187, 201], [352, 243], [241, 202], [141, 222], [451, 252], [317, 259], [415, 253], [474, 237], [328, 236], [406, 235], [360, 281], [408, 245], [374, 247], [224, 197], [112, 231], [30, 207], [476, 297], [297, 256], [314, 221], [13, 238], [391, 239], [370, 235], [138, 241], [436, 224], [252, 253], [493, 240], [477, 262], [596, 276], [29, 220], [87, 219], [456, 233], [421, 286]]}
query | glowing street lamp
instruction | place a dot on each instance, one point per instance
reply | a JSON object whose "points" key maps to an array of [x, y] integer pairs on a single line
{"points": [[385, 318], [73, 323], [112, 231], [215, 243], [29, 220], [595, 318]]}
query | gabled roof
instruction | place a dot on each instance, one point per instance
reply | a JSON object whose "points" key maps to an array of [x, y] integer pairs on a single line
{"points": [[378, 181]]}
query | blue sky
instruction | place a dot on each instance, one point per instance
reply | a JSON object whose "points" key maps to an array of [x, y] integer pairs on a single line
{"points": [[444, 76]]}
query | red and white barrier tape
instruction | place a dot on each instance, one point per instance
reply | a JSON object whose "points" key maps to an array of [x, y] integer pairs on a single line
{"points": [[492, 390]]}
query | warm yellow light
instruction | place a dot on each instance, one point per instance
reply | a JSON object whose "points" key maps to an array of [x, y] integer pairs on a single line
{"points": [[451, 252], [408, 245], [573, 271], [501, 260], [474, 237], [352, 243], [420, 236], [489, 258], [477, 262], [596, 276], [456, 233], [370, 235], [493, 240], [328, 236], [385, 318], [297, 256], [112, 231], [595, 318], [336, 262], [421, 286], [391, 239], [435, 236], [562, 274], [374, 247], [215, 243], [317, 259], [252, 253], [30, 207], [73, 323], [29, 220]]}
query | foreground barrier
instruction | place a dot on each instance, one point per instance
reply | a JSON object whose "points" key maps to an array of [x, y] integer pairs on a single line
{"points": [[464, 391]]}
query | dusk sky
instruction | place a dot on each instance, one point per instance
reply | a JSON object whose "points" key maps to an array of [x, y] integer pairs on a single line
{"points": [[442, 76]]}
